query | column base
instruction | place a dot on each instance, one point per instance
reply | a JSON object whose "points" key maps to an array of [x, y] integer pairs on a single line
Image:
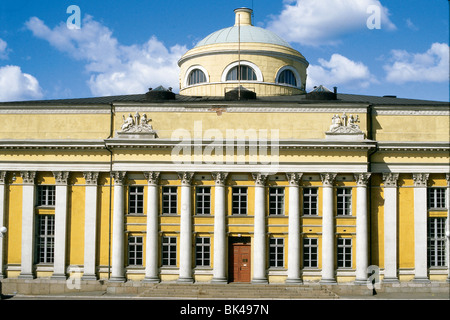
{"points": [[448, 280], [219, 281], [89, 277], [260, 281], [294, 281], [58, 276], [361, 282], [421, 280], [328, 281], [117, 279], [26, 276], [185, 280], [151, 280], [390, 280]]}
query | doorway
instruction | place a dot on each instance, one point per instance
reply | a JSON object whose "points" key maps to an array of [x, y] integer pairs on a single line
{"points": [[240, 262]]}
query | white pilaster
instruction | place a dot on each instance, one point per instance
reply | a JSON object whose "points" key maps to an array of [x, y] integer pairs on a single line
{"points": [[28, 199], [90, 225], [259, 250], [152, 246], [117, 273], [2, 218], [447, 232], [219, 271], [328, 272], [390, 227], [294, 228], [186, 228], [362, 233], [420, 227], [59, 269]]}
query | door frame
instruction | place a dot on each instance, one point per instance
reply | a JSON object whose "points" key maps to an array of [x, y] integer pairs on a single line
{"points": [[232, 242]]}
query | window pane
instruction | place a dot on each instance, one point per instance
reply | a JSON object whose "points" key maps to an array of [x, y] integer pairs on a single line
{"points": [[247, 73]]}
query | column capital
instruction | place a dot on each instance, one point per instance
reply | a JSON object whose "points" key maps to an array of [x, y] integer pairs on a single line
{"points": [[294, 178], [61, 177], [260, 178], [362, 179], [28, 176], [220, 177], [152, 177], [390, 179], [119, 177], [186, 178], [3, 177], [91, 177], [328, 179], [420, 179]]}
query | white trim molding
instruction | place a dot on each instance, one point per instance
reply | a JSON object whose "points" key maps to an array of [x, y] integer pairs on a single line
{"points": [[188, 72], [259, 75]]}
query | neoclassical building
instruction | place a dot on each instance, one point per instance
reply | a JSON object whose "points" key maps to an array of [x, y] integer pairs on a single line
{"points": [[241, 177]]}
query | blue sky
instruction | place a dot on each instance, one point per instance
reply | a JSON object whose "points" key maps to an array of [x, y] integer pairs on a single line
{"points": [[125, 47]]}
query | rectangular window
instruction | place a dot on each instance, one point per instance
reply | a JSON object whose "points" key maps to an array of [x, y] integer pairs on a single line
{"points": [[276, 201], [169, 251], [310, 252], [436, 242], [310, 196], [135, 251], [344, 201], [436, 198], [136, 200], [240, 200], [344, 253], [202, 251], [203, 200], [169, 200], [46, 239], [46, 195], [276, 252]]}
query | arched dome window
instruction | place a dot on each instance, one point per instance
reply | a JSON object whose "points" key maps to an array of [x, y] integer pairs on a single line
{"points": [[196, 76], [288, 75], [247, 74]]}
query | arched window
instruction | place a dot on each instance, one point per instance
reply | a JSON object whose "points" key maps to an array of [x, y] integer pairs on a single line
{"points": [[247, 73], [196, 76], [287, 77]]}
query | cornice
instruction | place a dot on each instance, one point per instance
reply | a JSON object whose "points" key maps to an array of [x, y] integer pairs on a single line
{"points": [[413, 146], [53, 144]]}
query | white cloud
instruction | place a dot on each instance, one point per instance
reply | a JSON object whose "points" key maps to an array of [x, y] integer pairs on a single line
{"points": [[3, 50], [339, 70], [431, 66], [313, 22], [113, 68], [16, 85]]}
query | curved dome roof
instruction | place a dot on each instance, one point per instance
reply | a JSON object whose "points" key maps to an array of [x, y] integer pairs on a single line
{"points": [[249, 33]]}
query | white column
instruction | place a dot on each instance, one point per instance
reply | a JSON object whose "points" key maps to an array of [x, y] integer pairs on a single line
{"points": [[219, 271], [328, 232], [447, 232], [294, 228], [59, 269], [186, 228], [259, 249], [362, 232], [28, 201], [152, 245], [390, 227], [420, 227], [90, 225], [118, 241], [2, 218]]}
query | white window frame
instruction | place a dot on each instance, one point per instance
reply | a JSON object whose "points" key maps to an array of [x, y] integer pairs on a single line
{"points": [[276, 252], [259, 75], [203, 251], [276, 204], [310, 247], [169, 247], [46, 196], [135, 251], [136, 197], [344, 253], [45, 243], [188, 72], [298, 79], [167, 204], [437, 198], [239, 204], [437, 251], [203, 206], [346, 199], [308, 196]]}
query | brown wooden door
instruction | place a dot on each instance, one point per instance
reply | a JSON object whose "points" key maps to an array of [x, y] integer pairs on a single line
{"points": [[240, 263]]}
